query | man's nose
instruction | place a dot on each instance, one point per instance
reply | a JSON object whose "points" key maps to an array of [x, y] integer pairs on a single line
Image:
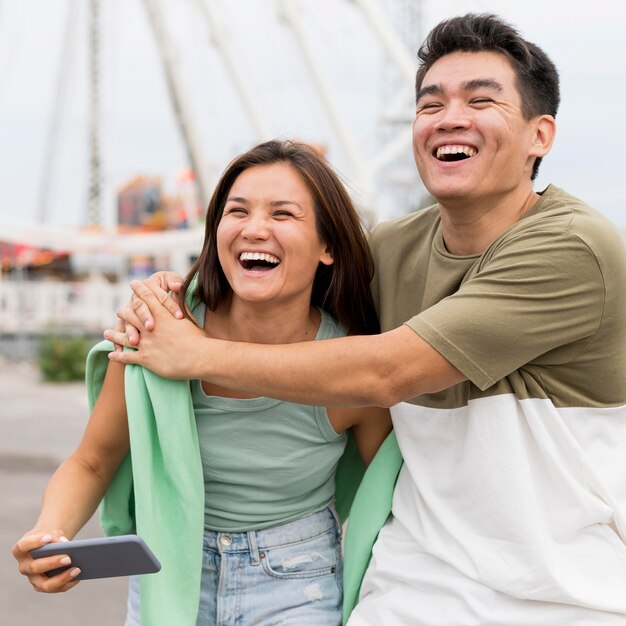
{"points": [[454, 116]]}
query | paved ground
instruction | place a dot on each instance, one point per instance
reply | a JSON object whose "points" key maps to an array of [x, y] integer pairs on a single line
{"points": [[39, 425]]}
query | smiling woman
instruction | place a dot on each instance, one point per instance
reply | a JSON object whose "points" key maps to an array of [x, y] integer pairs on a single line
{"points": [[284, 260]]}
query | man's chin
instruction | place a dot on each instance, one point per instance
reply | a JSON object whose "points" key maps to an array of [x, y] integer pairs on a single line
{"points": [[449, 196]]}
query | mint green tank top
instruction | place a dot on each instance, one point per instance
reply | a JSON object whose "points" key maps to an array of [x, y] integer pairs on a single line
{"points": [[265, 461]]}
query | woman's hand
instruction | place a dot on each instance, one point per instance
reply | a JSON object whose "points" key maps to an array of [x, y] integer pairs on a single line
{"points": [[136, 316], [35, 569]]}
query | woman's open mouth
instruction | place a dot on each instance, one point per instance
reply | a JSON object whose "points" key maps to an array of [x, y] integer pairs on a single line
{"points": [[258, 261]]}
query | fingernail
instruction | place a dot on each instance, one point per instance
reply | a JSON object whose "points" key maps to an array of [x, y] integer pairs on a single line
{"points": [[106, 334], [65, 560], [178, 315], [75, 572], [64, 539], [45, 538]]}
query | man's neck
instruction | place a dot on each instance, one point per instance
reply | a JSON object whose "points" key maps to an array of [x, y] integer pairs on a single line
{"points": [[468, 230]]}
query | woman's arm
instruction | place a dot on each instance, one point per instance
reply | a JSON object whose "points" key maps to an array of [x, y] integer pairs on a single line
{"points": [[370, 426], [78, 485]]}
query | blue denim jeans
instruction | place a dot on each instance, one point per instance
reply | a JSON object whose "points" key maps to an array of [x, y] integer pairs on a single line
{"points": [[287, 575]]}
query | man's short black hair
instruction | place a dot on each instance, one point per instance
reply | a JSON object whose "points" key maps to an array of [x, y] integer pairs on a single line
{"points": [[537, 76]]}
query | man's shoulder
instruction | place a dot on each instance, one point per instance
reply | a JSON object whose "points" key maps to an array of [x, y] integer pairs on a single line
{"points": [[410, 225], [560, 216]]}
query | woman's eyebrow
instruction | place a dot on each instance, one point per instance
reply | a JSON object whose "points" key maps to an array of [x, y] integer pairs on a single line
{"points": [[284, 202], [242, 200]]}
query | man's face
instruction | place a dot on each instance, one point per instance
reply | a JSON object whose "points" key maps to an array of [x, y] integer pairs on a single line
{"points": [[471, 141]]}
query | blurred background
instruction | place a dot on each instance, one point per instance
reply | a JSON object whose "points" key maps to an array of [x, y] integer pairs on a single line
{"points": [[117, 118]]}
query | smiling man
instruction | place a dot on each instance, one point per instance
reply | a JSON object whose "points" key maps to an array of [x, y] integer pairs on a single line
{"points": [[503, 357]]}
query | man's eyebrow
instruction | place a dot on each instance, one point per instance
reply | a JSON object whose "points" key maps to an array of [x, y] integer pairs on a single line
{"points": [[429, 90], [481, 83], [470, 85]]}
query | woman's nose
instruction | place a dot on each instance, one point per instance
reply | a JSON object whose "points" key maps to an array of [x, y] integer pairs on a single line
{"points": [[256, 228]]}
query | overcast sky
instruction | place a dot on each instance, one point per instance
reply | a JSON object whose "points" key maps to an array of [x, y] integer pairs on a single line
{"points": [[585, 39]]}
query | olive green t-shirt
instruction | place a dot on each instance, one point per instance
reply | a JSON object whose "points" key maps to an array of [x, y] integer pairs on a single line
{"points": [[510, 507]]}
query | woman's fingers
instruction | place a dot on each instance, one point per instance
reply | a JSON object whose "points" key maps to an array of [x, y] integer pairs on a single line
{"points": [[35, 569]]}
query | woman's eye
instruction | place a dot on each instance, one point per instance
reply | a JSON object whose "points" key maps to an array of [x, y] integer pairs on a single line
{"points": [[235, 210], [283, 214]]}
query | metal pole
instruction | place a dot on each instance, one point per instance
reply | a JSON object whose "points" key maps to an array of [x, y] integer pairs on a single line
{"points": [[54, 128], [234, 64], [94, 208], [182, 111], [348, 144]]}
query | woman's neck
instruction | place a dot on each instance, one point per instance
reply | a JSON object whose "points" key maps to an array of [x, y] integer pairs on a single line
{"points": [[258, 323], [262, 322]]}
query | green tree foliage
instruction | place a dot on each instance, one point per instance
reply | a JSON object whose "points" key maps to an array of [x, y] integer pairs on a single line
{"points": [[62, 358]]}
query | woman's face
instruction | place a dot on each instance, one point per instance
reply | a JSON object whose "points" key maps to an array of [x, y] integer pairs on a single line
{"points": [[267, 240]]}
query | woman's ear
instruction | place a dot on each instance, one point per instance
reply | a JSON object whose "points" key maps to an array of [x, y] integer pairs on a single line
{"points": [[326, 258]]}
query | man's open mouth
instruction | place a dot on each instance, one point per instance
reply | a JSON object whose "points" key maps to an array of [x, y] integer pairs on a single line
{"points": [[258, 261], [454, 152]]}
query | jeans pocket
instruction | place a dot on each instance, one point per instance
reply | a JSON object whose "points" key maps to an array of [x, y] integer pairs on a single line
{"points": [[318, 556]]}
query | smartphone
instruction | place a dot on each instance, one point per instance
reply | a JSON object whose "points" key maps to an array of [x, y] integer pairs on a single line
{"points": [[103, 557]]}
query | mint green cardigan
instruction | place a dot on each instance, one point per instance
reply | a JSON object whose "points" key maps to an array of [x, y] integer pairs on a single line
{"points": [[164, 469]]}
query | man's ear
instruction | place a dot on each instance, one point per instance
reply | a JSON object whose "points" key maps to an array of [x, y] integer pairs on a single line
{"points": [[544, 130]]}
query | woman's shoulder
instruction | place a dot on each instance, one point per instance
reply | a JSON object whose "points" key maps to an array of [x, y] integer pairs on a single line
{"points": [[330, 328]]}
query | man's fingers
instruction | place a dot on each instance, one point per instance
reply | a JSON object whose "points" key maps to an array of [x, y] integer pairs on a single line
{"points": [[125, 333], [143, 302], [133, 335], [165, 299]]}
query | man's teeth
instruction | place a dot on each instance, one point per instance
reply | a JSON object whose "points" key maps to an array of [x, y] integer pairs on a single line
{"points": [[466, 150], [258, 256]]}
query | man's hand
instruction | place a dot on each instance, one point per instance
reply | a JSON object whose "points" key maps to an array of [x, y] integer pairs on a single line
{"points": [[168, 348], [136, 315]]}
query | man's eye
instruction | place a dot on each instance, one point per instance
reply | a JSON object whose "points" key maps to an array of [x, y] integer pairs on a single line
{"points": [[481, 100], [430, 106]]}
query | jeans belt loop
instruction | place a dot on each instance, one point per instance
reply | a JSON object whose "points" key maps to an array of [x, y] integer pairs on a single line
{"points": [[254, 549]]}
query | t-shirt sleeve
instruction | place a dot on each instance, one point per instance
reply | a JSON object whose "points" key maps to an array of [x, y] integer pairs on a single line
{"points": [[535, 293]]}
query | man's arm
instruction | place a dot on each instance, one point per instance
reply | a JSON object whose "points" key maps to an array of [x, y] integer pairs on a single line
{"points": [[378, 370]]}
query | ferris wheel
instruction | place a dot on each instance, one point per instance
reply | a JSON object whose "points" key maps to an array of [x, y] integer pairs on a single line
{"points": [[334, 73]]}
